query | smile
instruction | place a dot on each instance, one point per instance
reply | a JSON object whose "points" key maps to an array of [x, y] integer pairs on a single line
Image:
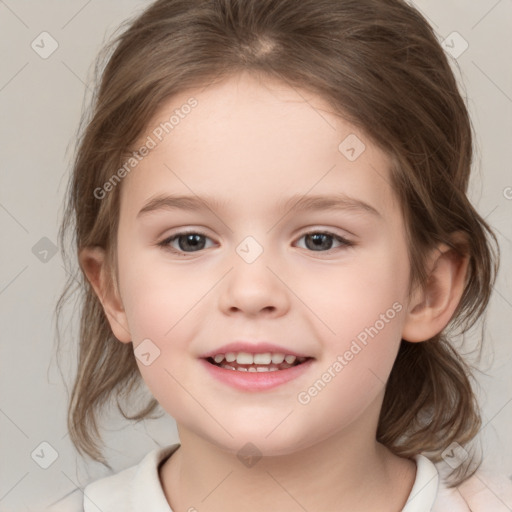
{"points": [[260, 362], [236, 371]]}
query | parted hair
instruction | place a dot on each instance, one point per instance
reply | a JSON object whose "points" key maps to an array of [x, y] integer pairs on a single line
{"points": [[379, 65]]}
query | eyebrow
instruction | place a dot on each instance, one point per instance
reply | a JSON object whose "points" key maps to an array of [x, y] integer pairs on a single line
{"points": [[329, 202]]}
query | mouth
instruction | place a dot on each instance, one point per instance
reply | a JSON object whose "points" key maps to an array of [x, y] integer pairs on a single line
{"points": [[264, 362]]}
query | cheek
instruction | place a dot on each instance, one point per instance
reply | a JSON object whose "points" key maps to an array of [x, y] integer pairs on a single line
{"points": [[363, 307], [356, 362], [350, 297], [163, 305], [158, 298]]}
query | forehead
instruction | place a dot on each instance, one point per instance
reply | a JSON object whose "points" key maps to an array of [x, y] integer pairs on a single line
{"points": [[249, 141]]}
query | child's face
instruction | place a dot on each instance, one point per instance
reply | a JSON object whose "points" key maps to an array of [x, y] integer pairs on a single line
{"points": [[252, 146]]}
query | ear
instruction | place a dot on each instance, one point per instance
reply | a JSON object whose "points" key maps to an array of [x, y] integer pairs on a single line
{"points": [[432, 306], [93, 263]]}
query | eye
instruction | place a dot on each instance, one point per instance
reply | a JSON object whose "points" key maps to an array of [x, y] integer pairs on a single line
{"points": [[194, 241], [322, 241], [185, 240]]}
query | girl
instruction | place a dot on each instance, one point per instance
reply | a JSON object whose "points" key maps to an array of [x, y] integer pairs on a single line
{"points": [[272, 223]]}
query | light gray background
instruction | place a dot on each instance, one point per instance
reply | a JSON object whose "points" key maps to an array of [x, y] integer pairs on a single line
{"points": [[40, 104]]}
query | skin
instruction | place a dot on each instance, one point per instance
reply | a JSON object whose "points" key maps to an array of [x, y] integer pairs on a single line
{"points": [[254, 143]]}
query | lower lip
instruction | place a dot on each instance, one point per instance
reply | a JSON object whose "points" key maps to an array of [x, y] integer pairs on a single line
{"points": [[256, 381]]}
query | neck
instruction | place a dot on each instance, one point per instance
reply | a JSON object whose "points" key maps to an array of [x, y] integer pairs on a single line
{"points": [[343, 472]]}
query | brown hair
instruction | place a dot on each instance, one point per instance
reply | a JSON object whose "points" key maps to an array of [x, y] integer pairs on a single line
{"points": [[379, 65]]}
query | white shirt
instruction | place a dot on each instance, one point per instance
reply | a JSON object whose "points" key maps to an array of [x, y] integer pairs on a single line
{"points": [[138, 488]]}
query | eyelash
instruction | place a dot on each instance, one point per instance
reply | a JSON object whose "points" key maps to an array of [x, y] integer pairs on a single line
{"points": [[165, 243]]}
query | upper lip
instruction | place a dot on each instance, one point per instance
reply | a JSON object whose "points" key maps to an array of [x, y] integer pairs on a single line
{"points": [[253, 348]]}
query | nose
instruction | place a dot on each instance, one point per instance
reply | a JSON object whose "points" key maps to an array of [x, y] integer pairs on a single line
{"points": [[255, 288]]}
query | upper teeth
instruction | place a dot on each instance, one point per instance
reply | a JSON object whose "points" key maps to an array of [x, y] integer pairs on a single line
{"points": [[248, 358]]}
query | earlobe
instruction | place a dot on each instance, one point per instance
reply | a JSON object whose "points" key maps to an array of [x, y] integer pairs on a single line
{"points": [[431, 307], [93, 263]]}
